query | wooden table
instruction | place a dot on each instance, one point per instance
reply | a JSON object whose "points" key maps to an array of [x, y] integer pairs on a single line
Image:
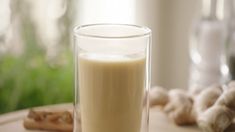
{"points": [[12, 122]]}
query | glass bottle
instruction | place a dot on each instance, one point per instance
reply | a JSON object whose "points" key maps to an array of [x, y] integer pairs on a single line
{"points": [[207, 47], [230, 21]]}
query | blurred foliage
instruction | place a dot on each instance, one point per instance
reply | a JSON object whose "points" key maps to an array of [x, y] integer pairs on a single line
{"points": [[28, 83], [30, 80]]}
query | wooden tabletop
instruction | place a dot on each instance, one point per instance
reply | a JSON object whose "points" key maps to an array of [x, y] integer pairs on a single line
{"points": [[12, 122]]}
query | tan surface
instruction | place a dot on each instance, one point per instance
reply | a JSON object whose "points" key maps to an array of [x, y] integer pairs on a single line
{"points": [[12, 122]]}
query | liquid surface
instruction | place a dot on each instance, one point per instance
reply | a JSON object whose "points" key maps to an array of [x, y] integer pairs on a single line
{"points": [[111, 93]]}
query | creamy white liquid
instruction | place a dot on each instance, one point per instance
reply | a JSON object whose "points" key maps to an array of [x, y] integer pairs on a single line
{"points": [[111, 93]]}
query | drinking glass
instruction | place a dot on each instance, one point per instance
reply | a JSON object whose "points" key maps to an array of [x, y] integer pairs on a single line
{"points": [[112, 78]]}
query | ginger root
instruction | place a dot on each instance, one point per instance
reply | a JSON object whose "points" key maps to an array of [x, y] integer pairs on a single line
{"points": [[206, 98], [212, 108], [158, 96], [227, 99], [42, 120], [179, 108], [215, 119], [220, 116]]}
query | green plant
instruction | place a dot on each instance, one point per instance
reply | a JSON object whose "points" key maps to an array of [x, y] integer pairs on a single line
{"points": [[28, 83], [29, 80]]}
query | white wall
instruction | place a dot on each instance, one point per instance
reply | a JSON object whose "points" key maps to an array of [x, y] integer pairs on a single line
{"points": [[105, 11], [170, 21]]}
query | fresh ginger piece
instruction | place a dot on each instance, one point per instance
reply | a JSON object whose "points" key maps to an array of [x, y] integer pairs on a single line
{"points": [[220, 116], [158, 96], [206, 98], [215, 119], [179, 107], [227, 99]]}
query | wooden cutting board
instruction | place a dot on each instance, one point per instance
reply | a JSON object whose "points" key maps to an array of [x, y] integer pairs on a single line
{"points": [[12, 122]]}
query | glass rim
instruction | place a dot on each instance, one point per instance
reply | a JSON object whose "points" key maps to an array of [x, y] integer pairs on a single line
{"points": [[76, 29]]}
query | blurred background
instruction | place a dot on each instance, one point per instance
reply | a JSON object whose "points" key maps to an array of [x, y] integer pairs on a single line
{"points": [[36, 63]]}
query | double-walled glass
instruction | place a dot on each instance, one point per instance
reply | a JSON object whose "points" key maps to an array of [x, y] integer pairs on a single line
{"points": [[112, 78]]}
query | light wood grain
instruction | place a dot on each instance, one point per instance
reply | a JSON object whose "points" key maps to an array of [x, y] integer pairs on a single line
{"points": [[12, 122]]}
